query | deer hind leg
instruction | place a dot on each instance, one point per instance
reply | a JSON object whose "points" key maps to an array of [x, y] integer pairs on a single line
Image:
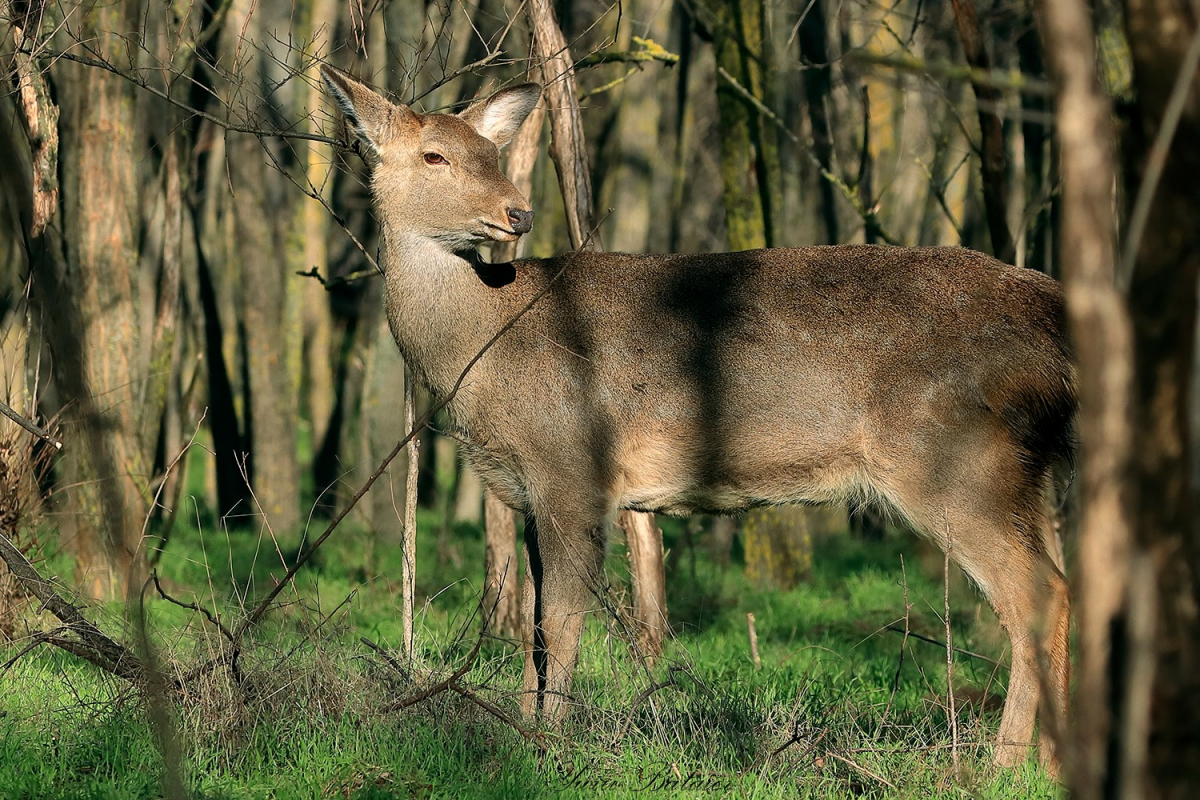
{"points": [[562, 569], [992, 520]]}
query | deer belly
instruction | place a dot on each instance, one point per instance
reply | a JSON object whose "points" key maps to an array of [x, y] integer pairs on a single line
{"points": [[661, 476]]}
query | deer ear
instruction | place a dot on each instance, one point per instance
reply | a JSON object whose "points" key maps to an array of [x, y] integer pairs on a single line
{"points": [[371, 117], [500, 116]]}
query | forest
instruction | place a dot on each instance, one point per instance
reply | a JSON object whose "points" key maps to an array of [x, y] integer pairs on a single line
{"points": [[243, 553]]}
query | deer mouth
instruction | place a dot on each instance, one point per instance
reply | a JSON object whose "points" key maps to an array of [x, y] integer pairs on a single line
{"points": [[499, 233]]}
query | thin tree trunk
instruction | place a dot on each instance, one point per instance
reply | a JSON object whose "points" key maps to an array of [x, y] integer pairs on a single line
{"points": [[266, 304], [1033, 138], [1103, 340], [568, 149], [502, 577], [468, 496], [408, 567], [311, 230], [987, 100], [628, 187], [818, 86], [644, 540], [503, 590]]}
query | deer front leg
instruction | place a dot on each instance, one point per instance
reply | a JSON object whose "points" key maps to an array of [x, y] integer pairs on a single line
{"points": [[562, 567]]}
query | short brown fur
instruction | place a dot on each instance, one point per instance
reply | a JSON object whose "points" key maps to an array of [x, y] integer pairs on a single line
{"points": [[936, 380]]}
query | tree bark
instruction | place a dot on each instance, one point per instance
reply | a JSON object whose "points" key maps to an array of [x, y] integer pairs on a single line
{"points": [[502, 588], [91, 294], [628, 188], [747, 159], [644, 541], [992, 157], [502, 577], [818, 86], [268, 310], [1163, 37], [1101, 330]]}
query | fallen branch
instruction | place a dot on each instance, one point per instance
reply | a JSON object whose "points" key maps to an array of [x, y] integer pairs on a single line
{"points": [[92, 645], [534, 737]]}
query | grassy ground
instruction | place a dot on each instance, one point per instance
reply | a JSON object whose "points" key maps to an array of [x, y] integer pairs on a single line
{"points": [[835, 710]]}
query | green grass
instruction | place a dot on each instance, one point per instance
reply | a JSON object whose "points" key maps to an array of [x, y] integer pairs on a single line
{"points": [[309, 717]]}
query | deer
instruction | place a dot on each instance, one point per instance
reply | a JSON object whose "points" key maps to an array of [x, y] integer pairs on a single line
{"points": [[936, 381]]}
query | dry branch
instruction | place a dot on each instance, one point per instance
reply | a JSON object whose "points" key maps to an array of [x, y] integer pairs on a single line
{"points": [[92, 645], [29, 425]]}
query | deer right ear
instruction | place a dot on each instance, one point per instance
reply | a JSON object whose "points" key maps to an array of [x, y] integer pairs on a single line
{"points": [[369, 116]]}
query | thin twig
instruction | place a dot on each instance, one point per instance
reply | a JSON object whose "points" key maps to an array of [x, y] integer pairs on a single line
{"points": [[29, 425], [949, 651], [214, 620], [862, 769], [938, 643], [903, 644]]}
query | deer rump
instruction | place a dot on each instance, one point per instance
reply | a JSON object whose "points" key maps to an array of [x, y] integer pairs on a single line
{"points": [[716, 383]]}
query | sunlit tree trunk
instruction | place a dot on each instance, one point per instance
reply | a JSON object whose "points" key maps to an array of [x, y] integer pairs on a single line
{"points": [[307, 244], [92, 297]]}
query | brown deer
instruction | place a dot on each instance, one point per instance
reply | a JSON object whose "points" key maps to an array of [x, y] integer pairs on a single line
{"points": [[937, 381]]}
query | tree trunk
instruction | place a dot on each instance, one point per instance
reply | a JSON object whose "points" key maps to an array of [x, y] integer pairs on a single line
{"points": [[307, 243], [818, 85], [629, 186], [991, 153], [644, 541], [268, 310], [503, 590], [1101, 330], [1164, 42], [95, 336], [1033, 139], [468, 496], [746, 161], [502, 577]]}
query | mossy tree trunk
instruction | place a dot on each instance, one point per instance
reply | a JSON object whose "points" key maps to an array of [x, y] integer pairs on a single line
{"points": [[775, 540]]}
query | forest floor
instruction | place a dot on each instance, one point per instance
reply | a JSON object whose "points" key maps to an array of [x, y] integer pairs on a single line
{"points": [[844, 703]]}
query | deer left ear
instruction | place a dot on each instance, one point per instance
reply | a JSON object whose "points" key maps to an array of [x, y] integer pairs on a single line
{"points": [[500, 116]]}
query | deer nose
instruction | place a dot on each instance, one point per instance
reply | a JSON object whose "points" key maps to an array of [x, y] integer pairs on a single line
{"points": [[522, 221]]}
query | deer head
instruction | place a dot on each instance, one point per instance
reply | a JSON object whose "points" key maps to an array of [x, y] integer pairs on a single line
{"points": [[438, 175]]}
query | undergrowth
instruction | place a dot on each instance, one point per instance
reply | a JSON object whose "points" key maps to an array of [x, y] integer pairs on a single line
{"points": [[844, 703]]}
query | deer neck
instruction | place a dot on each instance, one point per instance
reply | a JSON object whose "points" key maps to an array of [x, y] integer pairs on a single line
{"points": [[439, 311]]}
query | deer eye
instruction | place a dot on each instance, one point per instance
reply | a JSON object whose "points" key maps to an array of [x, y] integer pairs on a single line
{"points": [[435, 159]]}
